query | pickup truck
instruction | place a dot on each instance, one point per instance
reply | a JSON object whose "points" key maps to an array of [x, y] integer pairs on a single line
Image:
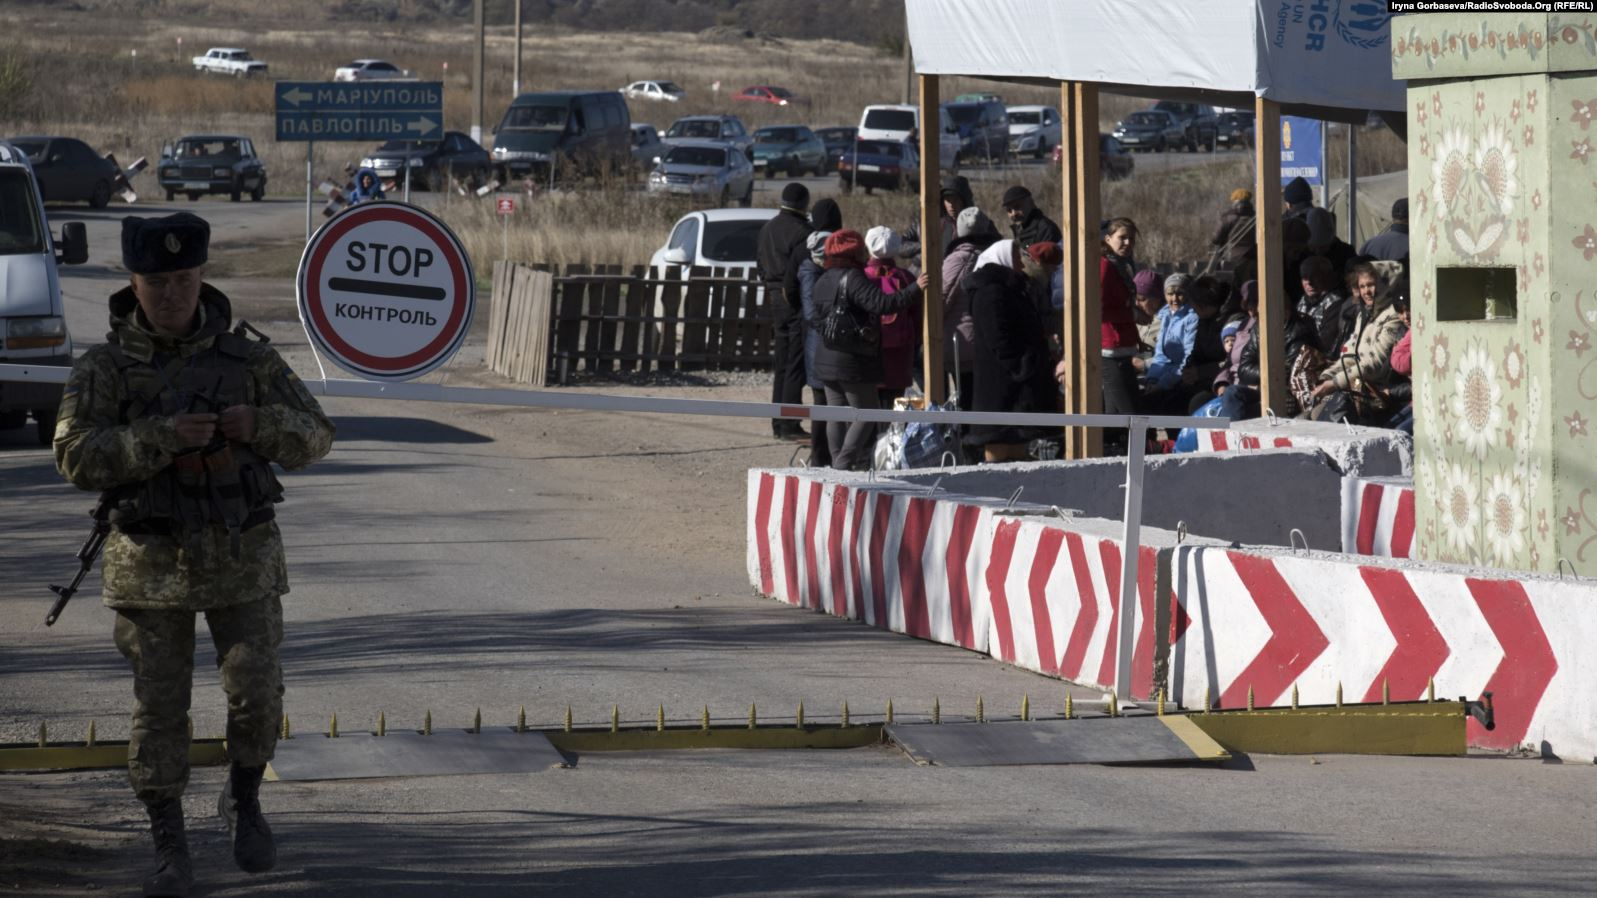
{"points": [[229, 61]]}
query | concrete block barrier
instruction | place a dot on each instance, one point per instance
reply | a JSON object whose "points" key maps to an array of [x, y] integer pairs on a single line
{"points": [[1378, 516], [1363, 451]]}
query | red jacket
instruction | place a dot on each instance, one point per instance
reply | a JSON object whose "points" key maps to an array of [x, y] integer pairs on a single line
{"points": [[1119, 326]]}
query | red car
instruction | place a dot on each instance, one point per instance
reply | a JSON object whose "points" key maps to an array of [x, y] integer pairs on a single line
{"points": [[765, 93]]}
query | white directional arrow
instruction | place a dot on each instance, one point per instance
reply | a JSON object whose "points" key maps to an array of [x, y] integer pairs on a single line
{"points": [[422, 125], [296, 96]]}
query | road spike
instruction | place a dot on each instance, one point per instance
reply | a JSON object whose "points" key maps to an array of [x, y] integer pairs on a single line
{"points": [[1339, 693], [1386, 691], [568, 718], [659, 719], [889, 712], [91, 734], [754, 718], [615, 718], [1114, 705], [427, 723], [44, 736], [382, 724], [332, 726], [1430, 689], [521, 720], [1070, 706], [286, 733], [1025, 706], [1159, 709], [1208, 700], [937, 710], [704, 719], [476, 721], [981, 711], [844, 723], [1294, 696], [800, 724], [1250, 698]]}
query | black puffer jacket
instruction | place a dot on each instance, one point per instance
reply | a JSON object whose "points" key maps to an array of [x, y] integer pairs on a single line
{"points": [[834, 366], [1013, 368], [1300, 332], [778, 239]]}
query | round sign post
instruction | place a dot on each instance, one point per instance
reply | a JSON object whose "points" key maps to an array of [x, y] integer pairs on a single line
{"points": [[386, 291]]}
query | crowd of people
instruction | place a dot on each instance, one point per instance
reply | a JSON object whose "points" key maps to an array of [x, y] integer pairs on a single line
{"points": [[848, 308]]}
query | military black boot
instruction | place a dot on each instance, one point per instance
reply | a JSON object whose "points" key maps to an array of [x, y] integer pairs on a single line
{"points": [[253, 850], [174, 872]]}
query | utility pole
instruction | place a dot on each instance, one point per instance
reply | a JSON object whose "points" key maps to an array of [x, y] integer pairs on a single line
{"points": [[515, 78], [476, 78]]}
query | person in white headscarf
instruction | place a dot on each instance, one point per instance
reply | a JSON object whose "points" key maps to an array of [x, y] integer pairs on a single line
{"points": [[1013, 367]]}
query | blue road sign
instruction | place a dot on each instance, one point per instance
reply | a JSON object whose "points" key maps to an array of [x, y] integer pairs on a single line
{"points": [[1301, 140], [360, 111]]}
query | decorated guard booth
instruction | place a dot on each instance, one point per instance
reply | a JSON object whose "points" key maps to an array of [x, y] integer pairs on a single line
{"points": [[1504, 219], [1325, 59]]}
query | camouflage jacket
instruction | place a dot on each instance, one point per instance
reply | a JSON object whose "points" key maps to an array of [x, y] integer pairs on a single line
{"points": [[98, 448]]}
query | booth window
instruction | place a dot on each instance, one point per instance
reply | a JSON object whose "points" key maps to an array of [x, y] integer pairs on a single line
{"points": [[1476, 294]]}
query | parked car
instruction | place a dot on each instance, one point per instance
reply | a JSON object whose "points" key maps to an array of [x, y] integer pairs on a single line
{"points": [[646, 144], [1235, 129], [765, 93], [667, 91], [32, 318], [704, 169], [212, 163], [726, 238], [890, 165], [902, 122], [792, 150], [978, 98], [983, 129], [1150, 129], [1114, 163], [587, 131], [233, 61], [1198, 122], [432, 164], [68, 171], [370, 70], [836, 140], [1033, 129], [723, 128]]}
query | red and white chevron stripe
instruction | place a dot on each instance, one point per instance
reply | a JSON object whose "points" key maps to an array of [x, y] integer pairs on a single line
{"points": [[1233, 441], [1378, 516]]}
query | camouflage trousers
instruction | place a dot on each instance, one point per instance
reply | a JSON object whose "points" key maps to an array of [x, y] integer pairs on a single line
{"points": [[160, 647]]}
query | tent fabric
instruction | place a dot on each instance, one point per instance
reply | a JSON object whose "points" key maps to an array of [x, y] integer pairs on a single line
{"points": [[1375, 198], [1330, 54]]}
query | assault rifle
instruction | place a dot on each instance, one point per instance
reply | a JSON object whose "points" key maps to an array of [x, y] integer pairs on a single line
{"points": [[86, 556]]}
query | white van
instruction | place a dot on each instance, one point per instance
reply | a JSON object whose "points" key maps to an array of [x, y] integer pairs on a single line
{"points": [[32, 320], [902, 122]]}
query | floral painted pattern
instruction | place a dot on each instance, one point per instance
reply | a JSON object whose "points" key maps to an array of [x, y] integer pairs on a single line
{"points": [[1477, 403]]}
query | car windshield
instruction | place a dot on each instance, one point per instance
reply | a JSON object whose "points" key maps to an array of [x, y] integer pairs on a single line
{"points": [[408, 146], [732, 241], [19, 216], [379, 67], [1025, 118], [964, 114], [193, 147], [535, 118], [1146, 119], [711, 156], [30, 147], [890, 119], [695, 128], [881, 148], [776, 135]]}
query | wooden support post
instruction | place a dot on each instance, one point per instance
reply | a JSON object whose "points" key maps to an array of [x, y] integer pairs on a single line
{"points": [[1272, 292], [1070, 337], [931, 241], [1087, 354]]}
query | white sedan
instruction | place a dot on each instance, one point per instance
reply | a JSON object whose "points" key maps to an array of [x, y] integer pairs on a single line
{"points": [[668, 91], [715, 238], [370, 70]]}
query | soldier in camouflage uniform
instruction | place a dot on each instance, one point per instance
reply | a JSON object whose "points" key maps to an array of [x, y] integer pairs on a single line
{"points": [[179, 419]]}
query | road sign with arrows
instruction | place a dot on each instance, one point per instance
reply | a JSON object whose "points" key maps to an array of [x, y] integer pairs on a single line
{"points": [[359, 111]]}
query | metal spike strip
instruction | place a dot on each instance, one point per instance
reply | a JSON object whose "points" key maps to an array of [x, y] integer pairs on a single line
{"points": [[1386, 691], [704, 720], [285, 734], [889, 711], [937, 710], [1070, 706], [44, 736], [332, 726], [615, 718], [981, 712], [1208, 700], [1339, 693], [1250, 698], [844, 723], [754, 718], [800, 718], [1025, 706], [1159, 708], [382, 724], [427, 723], [659, 719], [476, 721], [1294, 695], [521, 720], [90, 742], [1114, 705], [1430, 690], [568, 719]]}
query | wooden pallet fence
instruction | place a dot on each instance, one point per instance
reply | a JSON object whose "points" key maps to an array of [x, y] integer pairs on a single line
{"points": [[518, 323]]}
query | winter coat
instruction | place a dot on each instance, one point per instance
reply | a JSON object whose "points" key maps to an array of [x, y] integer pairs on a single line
{"points": [[808, 274], [361, 193], [778, 240], [1118, 330], [1368, 360], [1390, 245], [1013, 368], [1326, 313], [1035, 228], [1244, 335], [1403, 355], [836, 366], [900, 330], [1234, 238], [958, 325]]}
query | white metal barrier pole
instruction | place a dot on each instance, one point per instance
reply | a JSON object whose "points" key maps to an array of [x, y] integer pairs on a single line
{"points": [[1137, 437]]}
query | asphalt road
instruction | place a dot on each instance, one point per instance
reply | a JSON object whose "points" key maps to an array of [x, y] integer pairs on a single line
{"points": [[451, 558]]}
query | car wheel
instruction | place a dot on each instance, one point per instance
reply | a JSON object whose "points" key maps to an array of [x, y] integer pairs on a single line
{"points": [[748, 196], [12, 420], [726, 195], [194, 196], [235, 194], [44, 425], [100, 197], [258, 194], [171, 195], [867, 190], [1042, 150]]}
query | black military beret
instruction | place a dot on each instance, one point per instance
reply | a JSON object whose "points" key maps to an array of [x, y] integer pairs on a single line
{"points": [[172, 243]]}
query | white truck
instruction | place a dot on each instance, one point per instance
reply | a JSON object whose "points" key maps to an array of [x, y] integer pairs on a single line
{"points": [[229, 61]]}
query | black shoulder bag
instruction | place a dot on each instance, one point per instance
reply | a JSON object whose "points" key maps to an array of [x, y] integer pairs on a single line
{"points": [[849, 328]]}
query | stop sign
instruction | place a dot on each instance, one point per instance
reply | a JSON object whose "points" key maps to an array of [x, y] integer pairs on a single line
{"points": [[386, 291]]}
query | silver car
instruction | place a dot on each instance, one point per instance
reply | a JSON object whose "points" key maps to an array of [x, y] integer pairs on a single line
{"points": [[704, 169]]}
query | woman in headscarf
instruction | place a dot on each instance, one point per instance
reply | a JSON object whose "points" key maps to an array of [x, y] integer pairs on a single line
{"points": [[850, 378], [900, 330], [1352, 387], [973, 233], [1013, 368]]}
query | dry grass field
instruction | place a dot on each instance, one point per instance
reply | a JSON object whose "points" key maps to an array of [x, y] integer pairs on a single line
{"points": [[118, 75]]}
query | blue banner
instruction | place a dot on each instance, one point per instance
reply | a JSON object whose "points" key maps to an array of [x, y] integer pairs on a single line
{"points": [[1301, 142], [360, 111]]}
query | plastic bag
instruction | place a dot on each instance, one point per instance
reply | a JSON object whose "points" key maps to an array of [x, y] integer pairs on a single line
{"points": [[1187, 439]]}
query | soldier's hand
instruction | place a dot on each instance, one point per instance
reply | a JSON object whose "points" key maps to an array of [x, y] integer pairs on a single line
{"points": [[194, 429], [238, 423]]}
